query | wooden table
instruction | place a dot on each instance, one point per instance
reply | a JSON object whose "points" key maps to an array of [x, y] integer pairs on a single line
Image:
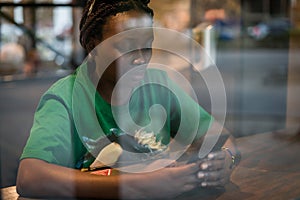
{"points": [[270, 169]]}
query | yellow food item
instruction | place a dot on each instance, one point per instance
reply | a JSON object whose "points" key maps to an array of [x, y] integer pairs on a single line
{"points": [[108, 156]]}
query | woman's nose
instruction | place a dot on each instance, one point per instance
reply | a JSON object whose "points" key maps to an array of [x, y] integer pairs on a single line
{"points": [[140, 57], [139, 61]]}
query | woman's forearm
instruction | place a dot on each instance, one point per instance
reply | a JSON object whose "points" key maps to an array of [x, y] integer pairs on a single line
{"points": [[40, 179], [37, 178]]}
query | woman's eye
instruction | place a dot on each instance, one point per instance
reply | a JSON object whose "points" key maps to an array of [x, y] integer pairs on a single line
{"points": [[123, 46], [147, 50], [130, 46]]}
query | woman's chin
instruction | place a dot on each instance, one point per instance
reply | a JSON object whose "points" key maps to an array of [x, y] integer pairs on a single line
{"points": [[138, 78]]}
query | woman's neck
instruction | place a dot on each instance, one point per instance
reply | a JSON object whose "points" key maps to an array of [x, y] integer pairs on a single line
{"points": [[106, 89]]}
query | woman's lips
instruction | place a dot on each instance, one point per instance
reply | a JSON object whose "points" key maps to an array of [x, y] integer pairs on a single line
{"points": [[137, 74]]}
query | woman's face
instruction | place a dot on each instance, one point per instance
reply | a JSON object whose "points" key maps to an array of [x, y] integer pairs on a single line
{"points": [[133, 63]]}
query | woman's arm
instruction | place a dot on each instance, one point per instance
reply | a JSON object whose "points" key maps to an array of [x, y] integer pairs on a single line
{"points": [[37, 178]]}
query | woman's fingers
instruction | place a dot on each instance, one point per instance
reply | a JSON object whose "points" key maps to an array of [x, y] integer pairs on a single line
{"points": [[213, 171], [217, 155], [211, 175], [212, 165], [217, 183]]}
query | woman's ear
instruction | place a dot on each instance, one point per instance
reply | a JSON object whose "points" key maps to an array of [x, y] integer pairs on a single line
{"points": [[91, 46]]}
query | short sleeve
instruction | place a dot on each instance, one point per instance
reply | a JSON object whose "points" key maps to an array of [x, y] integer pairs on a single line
{"points": [[52, 135]]}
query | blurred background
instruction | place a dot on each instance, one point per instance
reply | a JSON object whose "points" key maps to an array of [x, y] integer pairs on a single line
{"points": [[254, 43]]}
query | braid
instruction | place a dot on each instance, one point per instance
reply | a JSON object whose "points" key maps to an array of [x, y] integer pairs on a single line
{"points": [[96, 12]]}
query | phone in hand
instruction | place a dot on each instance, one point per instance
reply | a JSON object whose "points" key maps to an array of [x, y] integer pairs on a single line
{"points": [[217, 147]]}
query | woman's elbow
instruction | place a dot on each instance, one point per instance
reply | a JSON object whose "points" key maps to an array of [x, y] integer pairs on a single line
{"points": [[25, 179], [21, 186]]}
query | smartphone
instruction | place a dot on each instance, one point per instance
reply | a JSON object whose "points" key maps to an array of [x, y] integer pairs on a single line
{"points": [[217, 147]]}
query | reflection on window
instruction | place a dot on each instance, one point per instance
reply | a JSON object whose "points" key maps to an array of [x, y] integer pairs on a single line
{"points": [[38, 38]]}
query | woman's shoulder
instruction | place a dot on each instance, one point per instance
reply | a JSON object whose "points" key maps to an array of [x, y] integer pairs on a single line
{"points": [[63, 86], [61, 91]]}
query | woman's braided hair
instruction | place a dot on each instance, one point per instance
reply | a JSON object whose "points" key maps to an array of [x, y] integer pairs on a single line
{"points": [[96, 12]]}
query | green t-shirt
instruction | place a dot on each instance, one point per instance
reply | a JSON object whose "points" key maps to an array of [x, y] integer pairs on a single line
{"points": [[72, 110]]}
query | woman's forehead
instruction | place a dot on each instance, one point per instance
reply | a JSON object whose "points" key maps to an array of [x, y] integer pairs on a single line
{"points": [[127, 21]]}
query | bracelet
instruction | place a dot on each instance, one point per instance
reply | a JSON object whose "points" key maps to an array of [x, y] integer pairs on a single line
{"points": [[233, 157]]}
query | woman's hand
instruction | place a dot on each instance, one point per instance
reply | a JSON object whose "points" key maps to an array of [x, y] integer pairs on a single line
{"points": [[165, 183], [212, 171], [215, 169]]}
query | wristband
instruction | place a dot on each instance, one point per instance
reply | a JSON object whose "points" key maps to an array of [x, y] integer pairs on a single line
{"points": [[234, 160]]}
